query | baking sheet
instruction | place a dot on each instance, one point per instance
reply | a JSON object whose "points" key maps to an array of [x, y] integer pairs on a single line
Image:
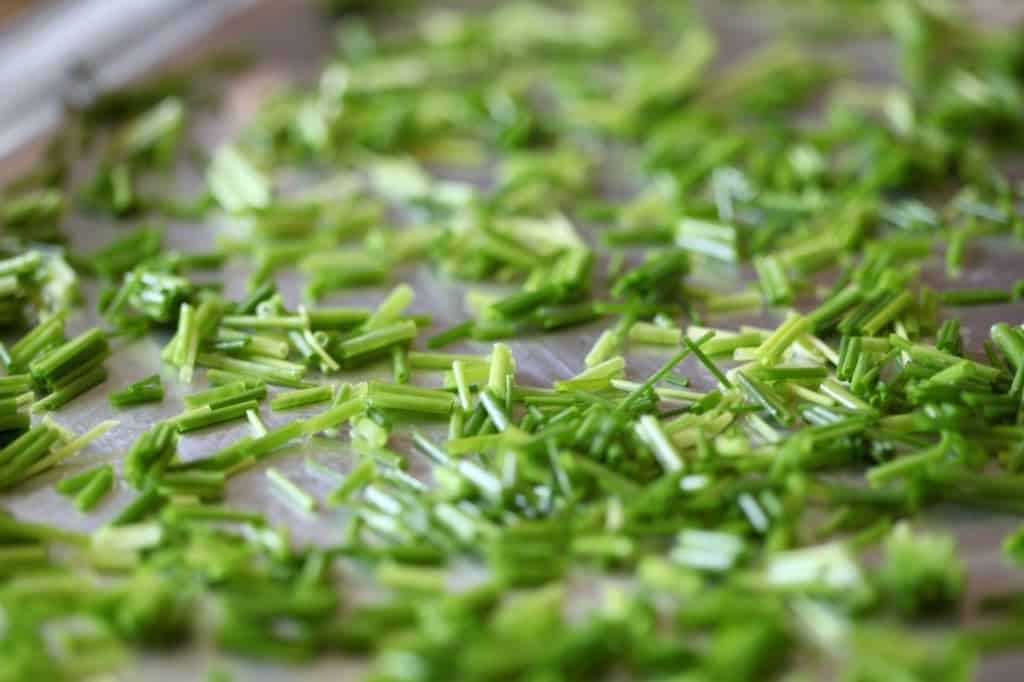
{"points": [[290, 42]]}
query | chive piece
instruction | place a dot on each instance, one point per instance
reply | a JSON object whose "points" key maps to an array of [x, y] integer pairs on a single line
{"points": [[261, 447], [706, 361], [451, 335], [206, 417], [361, 475], [94, 377], [237, 185], [462, 385], [400, 364], [1010, 341], [145, 503], [771, 350], [501, 367], [259, 429], [253, 370], [649, 429], [334, 415], [93, 491], [73, 484], [662, 372], [438, 361], [148, 390], [293, 493], [301, 398], [767, 397], [391, 308], [378, 339], [964, 297], [226, 394]]}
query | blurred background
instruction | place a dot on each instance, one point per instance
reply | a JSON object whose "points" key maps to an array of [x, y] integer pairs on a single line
{"points": [[42, 41]]}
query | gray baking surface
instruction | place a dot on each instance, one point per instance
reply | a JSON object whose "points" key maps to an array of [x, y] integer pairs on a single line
{"points": [[289, 43]]}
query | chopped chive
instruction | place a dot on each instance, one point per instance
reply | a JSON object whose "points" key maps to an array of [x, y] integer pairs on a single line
{"points": [[206, 416], [293, 493], [361, 475], [706, 361], [451, 335], [964, 297], [94, 490], [302, 397], [73, 484], [148, 390], [333, 416]]}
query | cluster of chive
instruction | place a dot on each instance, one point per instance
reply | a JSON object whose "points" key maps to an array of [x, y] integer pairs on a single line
{"points": [[730, 497], [35, 285]]}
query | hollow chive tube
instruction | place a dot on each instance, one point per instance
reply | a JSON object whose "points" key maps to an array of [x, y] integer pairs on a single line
{"points": [[772, 374], [336, 318], [440, 361], [220, 396], [391, 308], [283, 322], [334, 416], [220, 377], [662, 371], [418, 404], [462, 385], [557, 317], [72, 375], [409, 398], [290, 491], [451, 335], [15, 422], [251, 394], [261, 447], [212, 417], [400, 364], [254, 370], [825, 316], [362, 474], [147, 390], [255, 344], [606, 345], [907, 465], [302, 397], [15, 384], [887, 313], [71, 447], [787, 333], [492, 330], [61, 359], [1010, 341], [10, 406], [145, 503], [651, 334], [501, 366], [180, 513], [73, 484], [765, 396], [725, 345], [202, 484], [188, 333], [46, 334], [706, 361], [965, 297], [378, 339], [59, 398], [98, 486], [494, 410], [522, 302]]}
